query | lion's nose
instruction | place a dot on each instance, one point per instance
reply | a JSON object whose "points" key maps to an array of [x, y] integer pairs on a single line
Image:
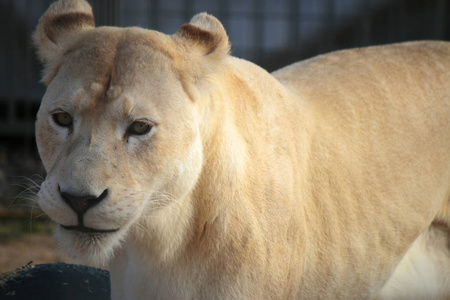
{"points": [[80, 204]]}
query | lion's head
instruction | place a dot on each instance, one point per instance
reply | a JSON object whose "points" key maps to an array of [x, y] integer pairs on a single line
{"points": [[118, 127]]}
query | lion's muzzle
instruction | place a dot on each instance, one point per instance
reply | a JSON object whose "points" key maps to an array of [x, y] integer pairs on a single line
{"points": [[80, 204]]}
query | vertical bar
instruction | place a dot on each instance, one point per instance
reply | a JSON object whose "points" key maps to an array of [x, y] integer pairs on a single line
{"points": [[28, 137], [102, 12], [114, 13], [330, 21], [366, 24], [109, 12], [391, 23], [117, 21], [154, 14], [188, 12], [259, 15], [12, 63], [96, 12], [402, 23], [224, 13], [440, 19], [294, 20]]}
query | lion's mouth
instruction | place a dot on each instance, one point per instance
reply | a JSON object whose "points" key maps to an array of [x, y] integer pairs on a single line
{"points": [[85, 229]]}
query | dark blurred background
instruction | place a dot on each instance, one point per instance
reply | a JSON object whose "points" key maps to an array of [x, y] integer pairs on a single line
{"points": [[271, 33]]}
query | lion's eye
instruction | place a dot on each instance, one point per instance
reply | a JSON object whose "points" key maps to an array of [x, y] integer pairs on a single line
{"points": [[139, 128], [62, 119]]}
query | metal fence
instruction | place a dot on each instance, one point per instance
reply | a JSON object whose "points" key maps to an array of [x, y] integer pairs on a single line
{"points": [[270, 33]]}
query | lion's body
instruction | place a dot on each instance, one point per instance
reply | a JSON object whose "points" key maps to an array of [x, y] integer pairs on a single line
{"points": [[311, 182], [379, 141]]}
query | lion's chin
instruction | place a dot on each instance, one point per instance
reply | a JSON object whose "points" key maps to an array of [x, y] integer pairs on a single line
{"points": [[94, 248]]}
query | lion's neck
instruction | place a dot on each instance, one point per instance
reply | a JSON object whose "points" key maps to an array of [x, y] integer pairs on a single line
{"points": [[160, 237]]}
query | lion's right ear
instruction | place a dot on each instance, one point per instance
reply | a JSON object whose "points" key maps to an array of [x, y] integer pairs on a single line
{"points": [[57, 28], [204, 36]]}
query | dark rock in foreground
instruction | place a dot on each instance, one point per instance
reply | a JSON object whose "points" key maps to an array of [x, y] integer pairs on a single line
{"points": [[55, 281]]}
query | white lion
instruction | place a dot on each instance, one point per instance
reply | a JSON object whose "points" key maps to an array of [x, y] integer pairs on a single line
{"points": [[196, 175]]}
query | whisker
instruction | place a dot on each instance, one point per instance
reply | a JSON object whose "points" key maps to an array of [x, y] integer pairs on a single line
{"points": [[27, 182], [143, 228], [159, 200], [33, 218], [30, 186], [26, 199]]}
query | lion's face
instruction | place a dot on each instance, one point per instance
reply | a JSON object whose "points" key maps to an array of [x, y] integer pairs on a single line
{"points": [[119, 138], [119, 126]]}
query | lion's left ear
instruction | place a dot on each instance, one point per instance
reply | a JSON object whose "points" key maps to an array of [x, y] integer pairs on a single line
{"points": [[63, 21], [204, 35]]}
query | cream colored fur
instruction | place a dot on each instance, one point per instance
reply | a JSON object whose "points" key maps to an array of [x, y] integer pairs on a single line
{"points": [[328, 179]]}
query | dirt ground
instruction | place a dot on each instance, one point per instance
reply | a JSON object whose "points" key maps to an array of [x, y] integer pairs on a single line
{"points": [[38, 248]]}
